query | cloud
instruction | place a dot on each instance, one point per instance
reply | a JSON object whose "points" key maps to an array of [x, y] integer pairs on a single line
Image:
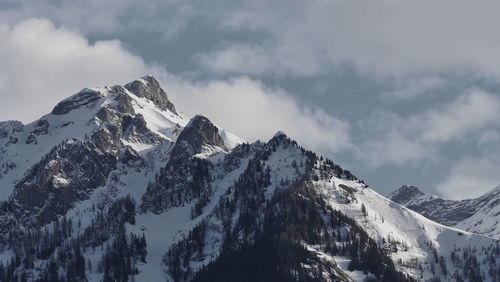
{"points": [[385, 38], [393, 148], [108, 17], [385, 140], [410, 88], [42, 64], [489, 137], [392, 139], [411, 39], [251, 110], [469, 112], [257, 60], [471, 177]]}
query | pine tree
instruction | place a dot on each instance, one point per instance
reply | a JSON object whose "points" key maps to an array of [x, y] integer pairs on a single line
{"points": [[363, 210]]}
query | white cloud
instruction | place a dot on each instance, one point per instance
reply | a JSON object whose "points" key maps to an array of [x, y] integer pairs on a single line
{"points": [[393, 148], [42, 64], [383, 37], [391, 139], [472, 111], [410, 88], [257, 60], [387, 38], [471, 177], [251, 110]]}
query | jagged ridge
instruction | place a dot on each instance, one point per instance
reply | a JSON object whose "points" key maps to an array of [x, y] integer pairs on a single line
{"points": [[138, 189], [480, 215]]}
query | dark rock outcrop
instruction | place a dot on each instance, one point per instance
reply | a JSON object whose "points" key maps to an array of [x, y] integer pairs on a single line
{"points": [[124, 104], [185, 178], [8, 128], [83, 98], [41, 128], [66, 175], [148, 87], [198, 132], [135, 130], [405, 194], [73, 169]]}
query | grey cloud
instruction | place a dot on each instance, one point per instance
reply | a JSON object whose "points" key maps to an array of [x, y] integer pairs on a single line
{"points": [[398, 140], [385, 38], [472, 111], [471, 177], [411, 88], [107, 17], [63, 61]]}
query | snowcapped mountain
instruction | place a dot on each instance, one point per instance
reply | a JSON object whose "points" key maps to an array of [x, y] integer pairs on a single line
{"points": [[480, 215], [115, 184]]}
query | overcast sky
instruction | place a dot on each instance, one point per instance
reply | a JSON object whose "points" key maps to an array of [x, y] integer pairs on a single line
{"points": [[396, 91]]}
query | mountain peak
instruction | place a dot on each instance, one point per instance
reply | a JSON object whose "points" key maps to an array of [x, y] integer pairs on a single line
{"points": [[86, 96], [280, 134], [279, 137], [198, 120], [405, 194], [476, 215], [199, 132], [148, 87]]}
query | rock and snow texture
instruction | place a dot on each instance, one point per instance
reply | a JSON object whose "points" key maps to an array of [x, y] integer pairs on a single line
{"points": [[116, 184], [479, 215]]}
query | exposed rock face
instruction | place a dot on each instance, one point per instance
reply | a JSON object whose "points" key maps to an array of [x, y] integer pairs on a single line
{"points": [[447, 212], [185, 177], [124, 104], [148, 87], [198, 133], [130, 157], [107, 139], [72, 170], [135, 130], [405, 194], [108, 115], [66, 175], [41, 128], [82, 98], [7, 128]]}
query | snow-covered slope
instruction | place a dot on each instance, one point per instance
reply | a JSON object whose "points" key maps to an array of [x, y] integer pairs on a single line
{"points": [[479, 215], [116, 184], [22, 146], [413, 235]]}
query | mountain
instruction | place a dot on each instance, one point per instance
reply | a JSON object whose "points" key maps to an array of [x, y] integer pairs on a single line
{"points": [[116, 184], [480, 215]]}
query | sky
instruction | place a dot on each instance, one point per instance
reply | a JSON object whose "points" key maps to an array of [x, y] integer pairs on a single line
{"points": [[398, 92]]}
